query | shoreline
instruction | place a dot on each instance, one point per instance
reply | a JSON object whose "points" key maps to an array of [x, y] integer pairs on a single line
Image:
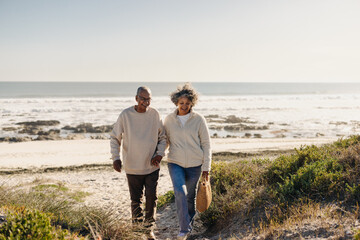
{"points": [[220, 125], [65, 153]]}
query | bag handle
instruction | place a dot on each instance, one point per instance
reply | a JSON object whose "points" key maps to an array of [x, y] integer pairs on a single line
{"points": [[203, 179]]}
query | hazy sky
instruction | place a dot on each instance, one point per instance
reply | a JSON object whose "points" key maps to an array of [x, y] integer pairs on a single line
{"points": [[168, 40]]}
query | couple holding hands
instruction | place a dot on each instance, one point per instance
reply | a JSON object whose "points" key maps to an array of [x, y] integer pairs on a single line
{"points": [[144, 138]]}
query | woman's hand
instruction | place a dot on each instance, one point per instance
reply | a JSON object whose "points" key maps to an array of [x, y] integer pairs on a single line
{"points": [[156, 160], [205, 174]]}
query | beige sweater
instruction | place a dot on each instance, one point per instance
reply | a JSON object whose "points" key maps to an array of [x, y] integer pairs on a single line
{"points": [[189, 145], [142, 136]]}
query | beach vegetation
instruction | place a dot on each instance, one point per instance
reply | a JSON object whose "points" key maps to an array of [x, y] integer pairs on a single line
{"points": [[53, 210], [165, 199], [23, 223], [330, 172], [267, 195], [49, 190], [57, 187], [235, 185], [357, 234]]}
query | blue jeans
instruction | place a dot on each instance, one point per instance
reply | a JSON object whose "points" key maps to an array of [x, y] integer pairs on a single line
{"points": [[184, 182]]}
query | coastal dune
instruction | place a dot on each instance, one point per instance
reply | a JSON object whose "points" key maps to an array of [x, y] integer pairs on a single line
{"points": [[53, 162]]}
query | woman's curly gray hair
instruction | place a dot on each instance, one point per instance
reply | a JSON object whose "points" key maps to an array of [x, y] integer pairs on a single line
{"points": [[185, 91]]}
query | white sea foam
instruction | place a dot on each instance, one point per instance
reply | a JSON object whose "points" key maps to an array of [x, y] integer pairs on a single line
{"points": [[291, 115]]}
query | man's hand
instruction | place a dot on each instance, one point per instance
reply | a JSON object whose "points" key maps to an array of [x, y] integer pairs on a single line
{"points": [[156, 160], [117, 165]]}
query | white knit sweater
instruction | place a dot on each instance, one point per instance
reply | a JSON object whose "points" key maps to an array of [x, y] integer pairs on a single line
{"points": [[189, 145], [141, 136]]}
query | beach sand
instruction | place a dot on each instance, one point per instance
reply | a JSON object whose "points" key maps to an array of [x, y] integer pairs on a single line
{"points": [[40, 154], [107, 187]]}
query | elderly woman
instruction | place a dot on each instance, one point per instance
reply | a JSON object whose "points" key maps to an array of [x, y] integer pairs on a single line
{"points": [[189, 153]]}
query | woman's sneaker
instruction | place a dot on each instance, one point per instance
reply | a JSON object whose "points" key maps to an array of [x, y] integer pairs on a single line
{"points": [[182, 236]]}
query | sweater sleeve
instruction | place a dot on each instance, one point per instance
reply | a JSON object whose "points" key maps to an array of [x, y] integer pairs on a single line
{"points": [[205, 145], [115, 139], [161, 146]]}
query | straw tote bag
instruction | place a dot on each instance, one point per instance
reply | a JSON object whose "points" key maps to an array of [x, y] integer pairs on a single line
{"points": [[203, 198]]}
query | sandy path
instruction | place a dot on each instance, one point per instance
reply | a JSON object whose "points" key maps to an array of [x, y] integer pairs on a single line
{"points": [[107, 187]]}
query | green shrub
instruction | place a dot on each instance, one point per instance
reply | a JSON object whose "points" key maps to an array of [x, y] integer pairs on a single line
{"points": [[165, 199], [357, 234], [353, 191], [235, 186], [314, 180], [66, 213], [331, 171], [312, 173], [347, 142], [350, 160], [287, 165], [23, 223]]}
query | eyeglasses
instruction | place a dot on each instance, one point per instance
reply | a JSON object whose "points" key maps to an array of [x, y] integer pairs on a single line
{"points": [[144, 99]]}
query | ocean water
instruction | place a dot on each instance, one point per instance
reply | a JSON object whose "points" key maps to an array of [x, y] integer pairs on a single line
{"points": [[286, 110], [128, 89]]}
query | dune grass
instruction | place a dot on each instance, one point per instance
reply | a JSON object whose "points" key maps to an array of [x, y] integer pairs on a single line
{"points": [[51, 211], [165, 199], [266, 192]]}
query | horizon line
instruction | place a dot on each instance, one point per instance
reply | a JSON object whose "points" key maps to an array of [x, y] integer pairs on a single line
{"points": [[170, 82]]}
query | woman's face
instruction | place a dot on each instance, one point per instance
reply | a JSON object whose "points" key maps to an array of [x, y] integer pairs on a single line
{"points": [[184, 106]]}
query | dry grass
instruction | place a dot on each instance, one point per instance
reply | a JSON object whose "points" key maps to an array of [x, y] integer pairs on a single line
{"points": [[308, 220], [67, 211]]}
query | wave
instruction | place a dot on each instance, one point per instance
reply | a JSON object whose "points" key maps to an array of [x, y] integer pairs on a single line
{"points": [[300, 114]]}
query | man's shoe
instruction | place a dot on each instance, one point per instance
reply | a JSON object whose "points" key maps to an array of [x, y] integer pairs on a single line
{"points": [[151, 236], [182, 236]]}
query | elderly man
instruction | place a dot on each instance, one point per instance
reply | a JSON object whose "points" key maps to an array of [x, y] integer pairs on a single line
{"points": [[140, 131]]}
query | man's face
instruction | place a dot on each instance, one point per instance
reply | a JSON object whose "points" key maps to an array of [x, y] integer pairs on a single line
{"points": [[143, 100]]}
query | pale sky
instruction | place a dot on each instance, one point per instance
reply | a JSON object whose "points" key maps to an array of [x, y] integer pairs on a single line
{"points": [[169, 40]]}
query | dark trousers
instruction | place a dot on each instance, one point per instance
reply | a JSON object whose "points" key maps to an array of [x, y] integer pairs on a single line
{"points": [[136, 187]]}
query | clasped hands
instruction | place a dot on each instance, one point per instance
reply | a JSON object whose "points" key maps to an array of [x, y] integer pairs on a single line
{"points": [[154, 161]]}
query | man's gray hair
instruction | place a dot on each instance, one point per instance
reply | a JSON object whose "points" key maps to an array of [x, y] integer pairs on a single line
{"points": [[142, 88]]}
